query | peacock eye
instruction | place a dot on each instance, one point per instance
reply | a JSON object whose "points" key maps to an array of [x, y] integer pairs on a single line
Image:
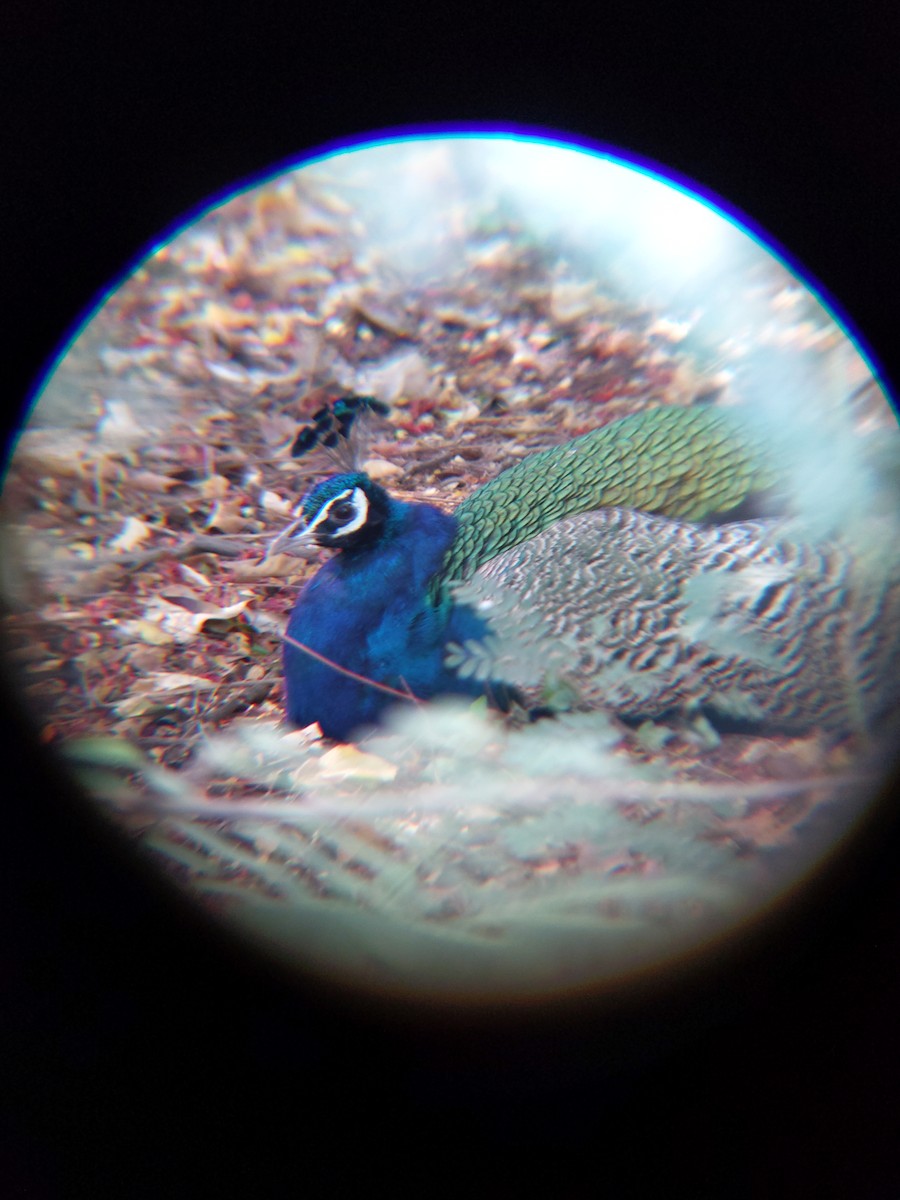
{"points": [[342, 511]]}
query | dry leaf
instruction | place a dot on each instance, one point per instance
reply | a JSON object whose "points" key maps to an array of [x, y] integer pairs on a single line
{"points": [[119, 427], [274, 503], [214, 487], [189, 575], [346, 762], [184, 624], [159, 691], [134, 531], [61, 454], [145, 631], [227, 516], [279, 566], [150, 481], [380, 468]]}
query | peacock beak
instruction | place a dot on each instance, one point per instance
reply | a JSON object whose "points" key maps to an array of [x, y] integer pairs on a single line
{"points": [[295, 539]]}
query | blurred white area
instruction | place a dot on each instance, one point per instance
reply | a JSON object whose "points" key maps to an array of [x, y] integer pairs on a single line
{"points": [[650, 244]]}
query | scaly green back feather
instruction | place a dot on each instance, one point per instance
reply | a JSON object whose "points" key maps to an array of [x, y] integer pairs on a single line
{"points": [[680, 462]]}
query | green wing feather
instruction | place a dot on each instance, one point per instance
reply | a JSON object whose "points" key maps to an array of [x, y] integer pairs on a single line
{"points": [[680, 462]]}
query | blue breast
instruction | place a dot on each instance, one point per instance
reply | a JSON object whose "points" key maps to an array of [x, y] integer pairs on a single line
{"points": [[365, 610]]}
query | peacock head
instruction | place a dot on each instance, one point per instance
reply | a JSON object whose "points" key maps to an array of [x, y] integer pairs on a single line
{"points": [[344, 512]]}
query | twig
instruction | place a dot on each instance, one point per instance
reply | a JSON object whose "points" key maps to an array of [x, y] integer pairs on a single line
{"points": [[468, 453], [200, 543], [253, 693], [381, 687]]}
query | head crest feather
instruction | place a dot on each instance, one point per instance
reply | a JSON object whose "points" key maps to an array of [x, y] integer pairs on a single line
{"points": [[341, 428]]}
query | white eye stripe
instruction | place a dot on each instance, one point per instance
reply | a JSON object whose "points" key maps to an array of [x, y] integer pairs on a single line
{"points": [[361, 508], [323, 513], [361, 504]]}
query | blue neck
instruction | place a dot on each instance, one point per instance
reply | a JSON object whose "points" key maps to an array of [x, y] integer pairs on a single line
{"points": [[366, 611]]}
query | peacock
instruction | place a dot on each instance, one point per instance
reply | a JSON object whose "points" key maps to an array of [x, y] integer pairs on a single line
{"points": [[599, 574]]}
